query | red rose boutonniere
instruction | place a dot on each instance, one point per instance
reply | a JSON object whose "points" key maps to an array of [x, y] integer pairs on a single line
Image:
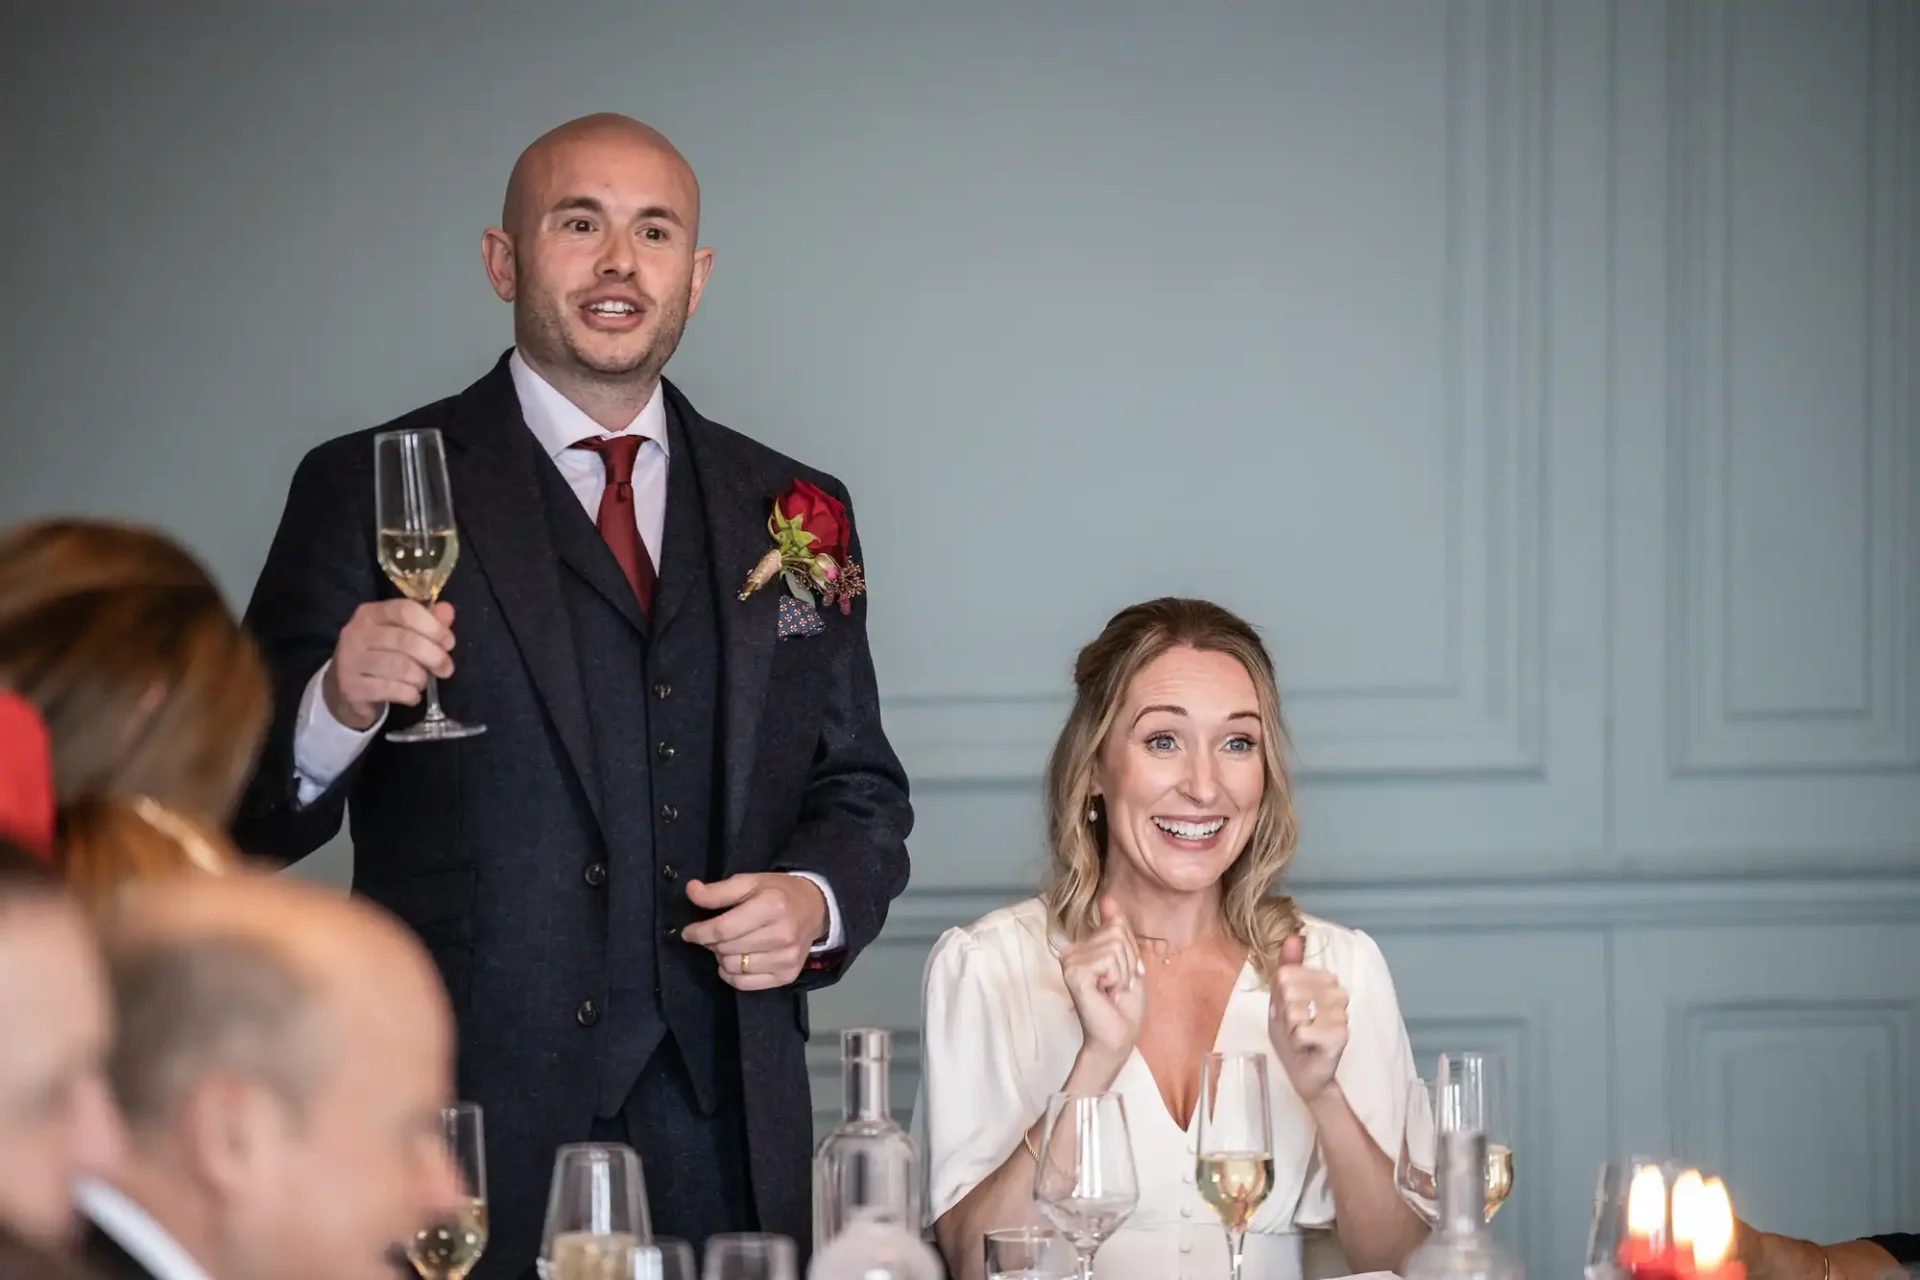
{"points": [[810, 534]]}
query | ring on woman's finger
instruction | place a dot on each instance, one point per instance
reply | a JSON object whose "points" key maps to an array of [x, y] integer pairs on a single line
{"points": [[1313, 1011]]}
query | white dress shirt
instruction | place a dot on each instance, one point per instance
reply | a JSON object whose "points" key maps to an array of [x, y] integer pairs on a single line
{"points": [[323, 748], [134, 1229], [1000, 1035]]}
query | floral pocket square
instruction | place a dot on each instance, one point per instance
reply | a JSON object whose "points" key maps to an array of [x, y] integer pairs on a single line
{"points": [[798, 618]]}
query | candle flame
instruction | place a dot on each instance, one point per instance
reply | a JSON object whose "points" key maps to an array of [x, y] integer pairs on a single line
{"points": [[1687, 1192], [1713, 1228], [1647, 1204]]}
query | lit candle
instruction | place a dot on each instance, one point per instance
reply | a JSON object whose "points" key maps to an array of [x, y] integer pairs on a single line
{"points": [[1647, 1253], [1711, 1233]]}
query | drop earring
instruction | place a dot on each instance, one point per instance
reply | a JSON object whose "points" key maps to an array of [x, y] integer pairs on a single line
{"points": [[1093, 811]]}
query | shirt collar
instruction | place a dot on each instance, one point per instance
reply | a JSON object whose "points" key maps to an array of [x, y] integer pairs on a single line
{"points": [[559, 424], [135, 1230]]}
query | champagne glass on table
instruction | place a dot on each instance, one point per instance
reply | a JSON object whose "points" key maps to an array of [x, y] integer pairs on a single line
{"points": [[662, 1259], [417, 543], [448, 1247], [1235, 1149], [1415, 1162], [1470, 1096], [750, 1256], [1086, 1185], [596, 1207]]}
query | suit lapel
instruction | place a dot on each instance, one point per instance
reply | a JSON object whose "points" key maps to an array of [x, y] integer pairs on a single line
{"points": [[493, 463], [737, 497]]}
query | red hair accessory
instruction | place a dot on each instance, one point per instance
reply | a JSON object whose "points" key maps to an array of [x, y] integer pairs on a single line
{"points": [[26, 776]]}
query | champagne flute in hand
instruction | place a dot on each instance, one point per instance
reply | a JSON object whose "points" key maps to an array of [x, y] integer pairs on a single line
{"points": [[1086, 1184], [1235, 1150], [417, 545], [447, 1248]]}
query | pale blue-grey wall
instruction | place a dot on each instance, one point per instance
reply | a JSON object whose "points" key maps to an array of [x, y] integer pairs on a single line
{"points": [[1539, 374]]}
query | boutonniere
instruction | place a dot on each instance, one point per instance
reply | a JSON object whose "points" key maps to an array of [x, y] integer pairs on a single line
{"points": [[810, 534]]}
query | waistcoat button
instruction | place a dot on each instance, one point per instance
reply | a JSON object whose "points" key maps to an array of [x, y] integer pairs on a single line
{"points": [[587, 1014]]}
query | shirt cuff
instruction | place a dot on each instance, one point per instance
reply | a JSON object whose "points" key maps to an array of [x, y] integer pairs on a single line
{"points": [[836, 938], [323, 748]]}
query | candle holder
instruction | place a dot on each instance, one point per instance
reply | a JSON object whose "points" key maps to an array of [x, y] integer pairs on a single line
{"points": [[1660, 1220]]}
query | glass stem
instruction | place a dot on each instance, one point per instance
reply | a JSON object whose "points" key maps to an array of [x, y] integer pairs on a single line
{"points": [[433, 700], [1236, 1244], [1086, 1261]]}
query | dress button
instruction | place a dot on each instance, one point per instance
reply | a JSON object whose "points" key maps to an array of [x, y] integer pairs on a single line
{"points": [[587, 1014], [668, 873], [668, 813], [596, 874], [1186, 1246], [663, 691], [1187, 1212], [664, 751]]}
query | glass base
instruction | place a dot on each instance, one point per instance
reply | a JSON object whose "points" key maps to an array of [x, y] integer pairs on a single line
{"points": [[441, 730]]}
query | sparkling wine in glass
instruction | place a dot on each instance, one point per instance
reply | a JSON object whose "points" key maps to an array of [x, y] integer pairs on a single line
{"points": [[1086, 1185], [1235, 1160], [448, 1247], [750, 1256], [596, 1207], [417, 544], [1470, 1094]]}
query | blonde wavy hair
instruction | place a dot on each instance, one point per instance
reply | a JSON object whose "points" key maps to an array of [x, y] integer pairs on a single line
{"points": [[1252, 913]]}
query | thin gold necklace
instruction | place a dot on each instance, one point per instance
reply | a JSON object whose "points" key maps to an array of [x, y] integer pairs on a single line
{"points": [[1172, 953]]}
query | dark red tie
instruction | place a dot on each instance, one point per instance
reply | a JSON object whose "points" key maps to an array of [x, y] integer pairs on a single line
{"points": [[616, 519]]}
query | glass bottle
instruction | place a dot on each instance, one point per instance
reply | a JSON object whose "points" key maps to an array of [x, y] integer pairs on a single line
{"points": [[866, 1166], [1462, 1247]]}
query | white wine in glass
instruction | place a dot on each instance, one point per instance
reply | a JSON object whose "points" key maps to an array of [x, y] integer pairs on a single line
{"points": [[448, 1247], [417, 544], [1235, 1162], [1499, 1177]]}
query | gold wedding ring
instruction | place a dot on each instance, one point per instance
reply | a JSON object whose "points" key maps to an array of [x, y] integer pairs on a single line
{"points": [[746, 962]]}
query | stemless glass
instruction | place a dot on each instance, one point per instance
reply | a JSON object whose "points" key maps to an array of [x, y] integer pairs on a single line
{"points": [[1470, 1094], [597, 1205], [1235, 1148], [663, 1259], [1029, 1253], [448, 1247], [1085, 1184], [417, 543], [750, 1256]]}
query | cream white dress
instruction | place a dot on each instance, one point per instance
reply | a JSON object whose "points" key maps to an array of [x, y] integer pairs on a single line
{"points": [[1000, 1035]]}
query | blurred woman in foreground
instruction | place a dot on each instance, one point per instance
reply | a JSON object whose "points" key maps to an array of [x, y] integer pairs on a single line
{"points": [[153, 698]]}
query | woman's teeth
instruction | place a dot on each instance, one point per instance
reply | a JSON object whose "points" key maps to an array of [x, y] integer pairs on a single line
{"points": [[1190, 830]]}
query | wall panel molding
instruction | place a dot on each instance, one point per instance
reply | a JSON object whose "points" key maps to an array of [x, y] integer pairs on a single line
{"points": [[1714, 729], [1485, 718]]}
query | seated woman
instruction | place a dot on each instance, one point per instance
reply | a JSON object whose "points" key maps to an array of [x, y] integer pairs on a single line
{"points": [[153, 699], [1159, 939]]}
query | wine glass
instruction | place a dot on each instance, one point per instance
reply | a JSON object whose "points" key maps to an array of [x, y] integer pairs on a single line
{"points": [[596, 1206], [1085, 1184], [1235, 1148], [417, 543], [448, 1247], [750, 1256], [1414, 1162], [1470, 1094], [1029, 1253]]}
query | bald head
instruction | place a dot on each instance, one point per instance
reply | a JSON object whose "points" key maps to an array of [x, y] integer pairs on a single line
{"points": [[261, 976], [597, 250], [284, 1053], [604, 132]]}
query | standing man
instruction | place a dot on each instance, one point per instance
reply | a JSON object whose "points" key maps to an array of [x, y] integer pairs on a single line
{"points": [[683, 814]]}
